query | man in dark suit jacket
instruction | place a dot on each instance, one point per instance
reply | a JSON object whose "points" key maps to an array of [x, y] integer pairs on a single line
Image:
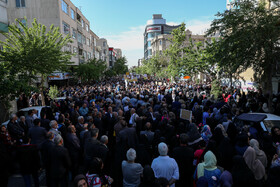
{"points": [[94, 148], [45, 151], [59, 163], [37, 133], [184, 157], [72, 143]]}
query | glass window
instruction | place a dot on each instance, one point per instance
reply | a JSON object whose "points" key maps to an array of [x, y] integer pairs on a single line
{"points": [[151, 35], [94, 40], [72, 14], [160, 42], [64, 6], [104, 44], [75, 50], [149, 44], [20, 3], [66, 28], [83, 23], [74, 33], [104, 51], [67, 48], [84, 39], [87, 27], [85, 54], [149, 52], [23, 21], [89, 55], [79, 37], [1, 48], [88, 42]]}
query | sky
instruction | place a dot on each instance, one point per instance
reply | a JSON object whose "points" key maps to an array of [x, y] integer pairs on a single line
{"points": [[122, 22]]}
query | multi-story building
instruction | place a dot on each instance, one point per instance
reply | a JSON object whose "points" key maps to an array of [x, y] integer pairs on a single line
{"points": [[156, 26], [104, 50], [112, 56], [3, 18], [94, 42], [119, 52], [61, 13]]}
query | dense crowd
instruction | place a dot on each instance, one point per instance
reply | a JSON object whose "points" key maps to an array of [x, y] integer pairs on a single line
{"points": [[131, 134]]}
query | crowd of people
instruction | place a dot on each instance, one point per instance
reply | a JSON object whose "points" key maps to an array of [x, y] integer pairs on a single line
{"points": [[116, 134]]}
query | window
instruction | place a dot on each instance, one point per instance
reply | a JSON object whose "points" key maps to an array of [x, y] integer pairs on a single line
{"points": [[79, 37], [66, 28], [23, 21], [20, 3], [84, 39], [104, 44], [87, 27], [88, 42], [83, 23], [94, 40], [72, 14], [1, 48], [67, 48], [84, 54], [149, 44], [160, 42], [74, 33], [104, 51], [64, 6], [89, 55], [75, 50]]}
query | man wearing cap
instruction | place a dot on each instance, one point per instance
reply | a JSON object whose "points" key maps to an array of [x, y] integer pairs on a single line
{"points": [[164, 166]]}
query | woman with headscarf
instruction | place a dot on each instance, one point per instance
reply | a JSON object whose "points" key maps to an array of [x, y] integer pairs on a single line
{"points": [[226, 179], [254, 164], [224, 147], [209, 170], [242, 144], [194, 136], [206, 133], [242, 176], [259, 153]]}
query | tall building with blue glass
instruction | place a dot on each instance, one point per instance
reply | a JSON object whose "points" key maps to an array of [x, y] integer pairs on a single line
{"points": [[155, 27]]}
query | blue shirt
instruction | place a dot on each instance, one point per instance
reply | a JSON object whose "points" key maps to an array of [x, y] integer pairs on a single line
{"points": [[164, 166]]}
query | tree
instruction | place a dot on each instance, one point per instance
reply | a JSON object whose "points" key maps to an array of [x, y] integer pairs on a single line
{"points": [[249, 38], [187, 57], [120, 66], [93, 69], [53, 92], [29, 52]]}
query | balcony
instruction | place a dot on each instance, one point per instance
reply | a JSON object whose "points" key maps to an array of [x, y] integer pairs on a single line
{"points": [[79, 27], [80, 45]]}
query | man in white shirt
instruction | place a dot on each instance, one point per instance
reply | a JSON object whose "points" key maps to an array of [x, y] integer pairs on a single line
{"points": [[133, 117], [164, 166]]}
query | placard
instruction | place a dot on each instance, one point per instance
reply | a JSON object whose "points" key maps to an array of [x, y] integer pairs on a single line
{"points": [[186, 114]]}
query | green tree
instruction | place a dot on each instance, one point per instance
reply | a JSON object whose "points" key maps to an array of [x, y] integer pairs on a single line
{"points": [[53, 92], [120, 67], [32, 52], [249, 39], [93, 69]]}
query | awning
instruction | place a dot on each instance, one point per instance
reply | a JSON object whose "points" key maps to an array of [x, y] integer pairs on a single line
{"points": [[4, 27]]}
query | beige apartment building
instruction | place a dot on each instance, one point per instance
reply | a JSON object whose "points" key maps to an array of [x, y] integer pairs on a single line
{"points": [[60, 13], [3, 18], [104, 50]]}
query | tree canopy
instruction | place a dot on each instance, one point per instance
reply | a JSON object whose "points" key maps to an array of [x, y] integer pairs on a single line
{"points": [[29, 52], [249, 38]]}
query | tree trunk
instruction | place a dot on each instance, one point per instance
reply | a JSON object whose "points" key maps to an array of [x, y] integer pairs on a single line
{"points": [[268, 84], [42, 90]]}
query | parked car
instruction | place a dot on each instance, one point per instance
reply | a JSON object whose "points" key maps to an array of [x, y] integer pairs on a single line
{"points": [[261, 121], [39, 109]]}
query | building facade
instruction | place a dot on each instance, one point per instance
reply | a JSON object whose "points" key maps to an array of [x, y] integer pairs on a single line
{"points": [[155, 27], [60, 13], [104, 50], [3, 18], [119, 52]]}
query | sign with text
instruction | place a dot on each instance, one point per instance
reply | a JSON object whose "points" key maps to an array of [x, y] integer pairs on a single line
{"points": [[153, 28], [186, 114]]}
